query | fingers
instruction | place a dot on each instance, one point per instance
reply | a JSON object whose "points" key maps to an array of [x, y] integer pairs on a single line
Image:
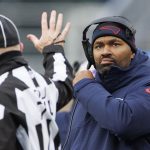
{"points": [[44, 25], [32, 38], [59, 24], [50, 33], [61, 37], [35, 41], [65, 31], [55, 26], [52, 20]]}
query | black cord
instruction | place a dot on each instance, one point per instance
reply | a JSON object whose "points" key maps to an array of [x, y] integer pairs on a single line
{"points": [[70, 125]]}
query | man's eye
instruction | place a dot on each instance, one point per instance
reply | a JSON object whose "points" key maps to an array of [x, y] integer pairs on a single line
{"points": [[98, 46], [116, 44]]}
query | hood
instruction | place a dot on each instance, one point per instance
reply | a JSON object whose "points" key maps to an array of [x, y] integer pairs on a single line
{"points": [[117, 77]]}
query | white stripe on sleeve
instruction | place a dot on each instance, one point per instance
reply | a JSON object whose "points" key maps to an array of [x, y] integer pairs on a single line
{"points": [[59, 68], [2, 109]]}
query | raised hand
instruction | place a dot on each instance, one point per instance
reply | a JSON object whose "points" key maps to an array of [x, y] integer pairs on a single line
{"points": [[51, 32]]}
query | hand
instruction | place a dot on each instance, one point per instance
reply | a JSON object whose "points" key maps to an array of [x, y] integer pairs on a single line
{"points": [[81, 75], [50, 34]]}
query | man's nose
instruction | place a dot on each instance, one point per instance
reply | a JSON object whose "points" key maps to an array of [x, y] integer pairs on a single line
{"points": [[106, 50]]}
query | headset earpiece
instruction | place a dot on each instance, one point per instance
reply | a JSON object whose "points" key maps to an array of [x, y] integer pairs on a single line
{"points": [[87, 49]]}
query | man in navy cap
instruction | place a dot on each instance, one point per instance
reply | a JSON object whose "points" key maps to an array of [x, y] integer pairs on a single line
{"points": [[112, 107]]}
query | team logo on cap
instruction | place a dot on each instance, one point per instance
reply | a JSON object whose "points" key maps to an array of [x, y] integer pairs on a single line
{"points": [[113, 29], [147, 90]]}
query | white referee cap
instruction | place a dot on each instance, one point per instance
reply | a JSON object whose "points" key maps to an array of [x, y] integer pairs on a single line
{"points": [[9, 35]]}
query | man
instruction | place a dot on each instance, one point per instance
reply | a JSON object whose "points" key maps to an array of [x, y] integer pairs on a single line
{"points": [[112, 107], [28, 99]]}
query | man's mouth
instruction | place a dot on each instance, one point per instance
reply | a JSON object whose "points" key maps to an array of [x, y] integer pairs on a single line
{"points": [[107, 61]]}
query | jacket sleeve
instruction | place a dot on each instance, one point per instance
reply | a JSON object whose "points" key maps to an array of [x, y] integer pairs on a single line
{"points": [[58, 69], [7, 129], [127, 119], [63, 120]]}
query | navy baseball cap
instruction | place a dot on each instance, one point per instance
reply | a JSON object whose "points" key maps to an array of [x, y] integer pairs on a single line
{"points": [[9, 35], [117, 30]]}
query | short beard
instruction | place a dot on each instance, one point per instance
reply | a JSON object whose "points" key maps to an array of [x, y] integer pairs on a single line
{"points": [[103, 69]]}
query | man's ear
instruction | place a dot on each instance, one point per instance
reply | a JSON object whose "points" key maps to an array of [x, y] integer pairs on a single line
{"points": [[21, 46]]}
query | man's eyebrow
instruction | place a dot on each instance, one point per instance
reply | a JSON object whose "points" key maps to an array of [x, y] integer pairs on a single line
{"points": [[109, 41], [98, 42]]}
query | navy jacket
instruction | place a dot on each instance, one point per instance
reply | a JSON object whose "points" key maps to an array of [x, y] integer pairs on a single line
{"points": [[111, 112]]}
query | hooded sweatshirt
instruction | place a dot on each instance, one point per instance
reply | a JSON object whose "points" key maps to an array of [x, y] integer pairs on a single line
{"points": [[111, 112]]}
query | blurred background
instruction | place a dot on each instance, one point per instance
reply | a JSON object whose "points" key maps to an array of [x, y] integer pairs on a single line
{"points": [[27, 14]]}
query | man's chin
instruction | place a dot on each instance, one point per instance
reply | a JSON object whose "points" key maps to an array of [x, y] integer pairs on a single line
{"points": [[104, 70]]}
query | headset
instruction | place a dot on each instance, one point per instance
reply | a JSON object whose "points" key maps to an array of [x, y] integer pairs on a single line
{"points": [[114, 19]]}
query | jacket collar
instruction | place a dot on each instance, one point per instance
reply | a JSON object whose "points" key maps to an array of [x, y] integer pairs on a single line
{"points": [[118, 78], [11, 60]]}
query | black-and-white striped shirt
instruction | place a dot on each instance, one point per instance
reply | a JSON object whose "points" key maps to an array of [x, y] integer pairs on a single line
{"points": [[28, 100]]}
